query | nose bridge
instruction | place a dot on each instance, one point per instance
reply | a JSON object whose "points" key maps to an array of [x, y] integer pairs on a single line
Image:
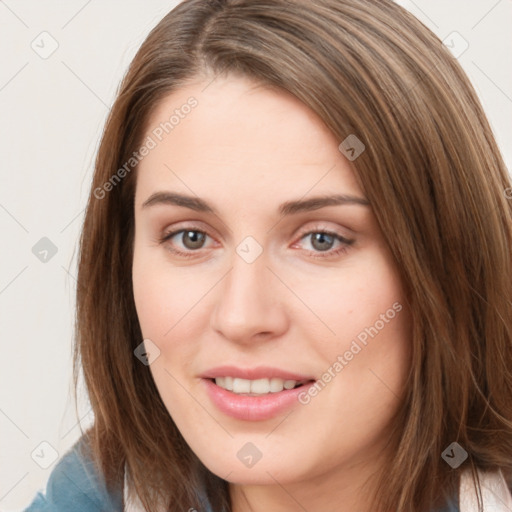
{"points": [[247, 301]]}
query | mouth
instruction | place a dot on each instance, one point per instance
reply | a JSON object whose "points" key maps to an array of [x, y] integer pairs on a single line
{"points": [[257, 387], [255, 400]]}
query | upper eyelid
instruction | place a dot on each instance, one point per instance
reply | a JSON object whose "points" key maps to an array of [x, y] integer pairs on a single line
{"points": [[196, 225]]}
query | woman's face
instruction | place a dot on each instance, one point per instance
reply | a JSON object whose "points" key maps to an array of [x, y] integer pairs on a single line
{"points": [[265, 285]]}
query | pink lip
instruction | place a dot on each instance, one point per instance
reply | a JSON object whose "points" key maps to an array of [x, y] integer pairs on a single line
{"points": [[253, 408], [260, 372]]}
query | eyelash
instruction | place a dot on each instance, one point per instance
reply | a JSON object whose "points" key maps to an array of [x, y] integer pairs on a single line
{"points": [[315, 254]]}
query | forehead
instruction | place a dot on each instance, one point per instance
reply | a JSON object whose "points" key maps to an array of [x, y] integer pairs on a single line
{"points": [[235, 138]]}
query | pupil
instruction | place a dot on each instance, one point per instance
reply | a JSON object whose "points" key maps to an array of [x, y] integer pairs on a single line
{"points": [[321, 238], [195, 237]]}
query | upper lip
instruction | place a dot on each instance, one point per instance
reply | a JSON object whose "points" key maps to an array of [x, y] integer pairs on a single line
{"points": [[259, 372]]}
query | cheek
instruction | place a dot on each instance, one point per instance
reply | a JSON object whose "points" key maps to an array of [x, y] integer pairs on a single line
{"points": [[164, 300], [169, 302], [367, 354], [353, 300], [155, 301], [163, 295]]}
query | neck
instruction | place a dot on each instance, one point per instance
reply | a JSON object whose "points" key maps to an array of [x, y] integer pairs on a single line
{"points": [[345, 489]]}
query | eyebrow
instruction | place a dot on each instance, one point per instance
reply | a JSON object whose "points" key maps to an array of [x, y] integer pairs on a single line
{"points": [[287, 208]]}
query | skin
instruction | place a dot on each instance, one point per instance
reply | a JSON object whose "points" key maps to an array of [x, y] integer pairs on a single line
{"points": [[246, 149]]}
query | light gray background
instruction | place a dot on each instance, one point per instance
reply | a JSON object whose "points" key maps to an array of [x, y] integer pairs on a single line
{"points": [[52, 114]]}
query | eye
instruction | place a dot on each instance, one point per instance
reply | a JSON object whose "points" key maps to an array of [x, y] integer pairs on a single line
{"points": [[322, 242], [191, 239]]}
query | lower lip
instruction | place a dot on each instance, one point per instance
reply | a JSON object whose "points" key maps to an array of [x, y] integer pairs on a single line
{"points": [[253, 408]]}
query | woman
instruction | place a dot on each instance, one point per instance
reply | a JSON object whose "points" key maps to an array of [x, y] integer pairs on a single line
{"points": [[295, 275]]}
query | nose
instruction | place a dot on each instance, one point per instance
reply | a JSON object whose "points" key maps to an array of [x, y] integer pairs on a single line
{"points": [[249, 303]]}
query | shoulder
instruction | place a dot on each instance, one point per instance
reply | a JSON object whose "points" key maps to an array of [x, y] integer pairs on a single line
{"points": [[496, 495], [76, 484]]}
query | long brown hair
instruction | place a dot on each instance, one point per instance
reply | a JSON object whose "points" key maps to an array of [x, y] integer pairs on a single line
{"points": [[435, 179]]}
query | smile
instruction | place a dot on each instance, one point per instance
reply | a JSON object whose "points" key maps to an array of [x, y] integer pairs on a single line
{"points": [[254, 400], [256, 387]]}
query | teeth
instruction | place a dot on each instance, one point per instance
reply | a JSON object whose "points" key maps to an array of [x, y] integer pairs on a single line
{"points": [[241, 386], [289, 384], [276, 385], [228, 383], [260, 386], [257, 387]]}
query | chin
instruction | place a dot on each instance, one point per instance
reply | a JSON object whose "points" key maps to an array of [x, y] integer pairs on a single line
{"points": [[264, 471]]}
